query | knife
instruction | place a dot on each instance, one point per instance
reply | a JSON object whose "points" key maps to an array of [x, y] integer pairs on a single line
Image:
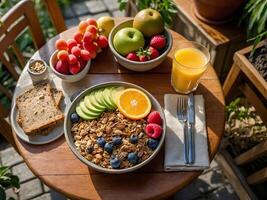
{"points": [[191, 128]]}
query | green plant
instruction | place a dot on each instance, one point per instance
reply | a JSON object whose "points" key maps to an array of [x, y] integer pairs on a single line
{"points": [[167, 8], [7, 180], [255, 18]]}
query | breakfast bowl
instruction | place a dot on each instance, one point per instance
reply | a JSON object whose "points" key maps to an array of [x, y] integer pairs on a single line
{"points": [[86, 145], [136, 65], [68, 77]]}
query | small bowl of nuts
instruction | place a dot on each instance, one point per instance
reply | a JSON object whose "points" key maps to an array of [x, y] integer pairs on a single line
{"points": [[38, 70]]}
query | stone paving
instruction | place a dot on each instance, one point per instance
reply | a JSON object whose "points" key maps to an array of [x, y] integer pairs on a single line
{"points": [[212, 184]]}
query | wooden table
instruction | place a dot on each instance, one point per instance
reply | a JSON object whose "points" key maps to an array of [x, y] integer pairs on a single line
{"points": [[58, 167]]}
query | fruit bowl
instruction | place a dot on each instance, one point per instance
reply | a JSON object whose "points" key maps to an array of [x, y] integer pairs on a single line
{"points": [[68, 125], [134, 65], [70, 77]]}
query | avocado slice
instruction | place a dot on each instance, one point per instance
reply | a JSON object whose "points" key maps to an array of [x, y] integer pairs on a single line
{"points": [[90, 106], [83, 115], [115, 93], [106, 94], [101, 99], [86, 111], [94, 102]]}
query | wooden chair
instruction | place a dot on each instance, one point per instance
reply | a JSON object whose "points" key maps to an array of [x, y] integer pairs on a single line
{"points": [[55, 15], [13, 23]]}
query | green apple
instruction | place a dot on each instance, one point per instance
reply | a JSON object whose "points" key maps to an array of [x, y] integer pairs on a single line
{"points": [[128, 40], [149, 22], [105, 24]]}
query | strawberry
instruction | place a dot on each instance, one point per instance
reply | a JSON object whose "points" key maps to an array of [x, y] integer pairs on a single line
{"points": [[132, 56], [158, 42], [153, 52], [143, 54], [143, 58]]}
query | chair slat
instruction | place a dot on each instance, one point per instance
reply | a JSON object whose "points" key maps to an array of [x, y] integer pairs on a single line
{"points": [[258, 177], [252, 154], [9, 67], [55, 15], [12, 34], [18, 54]]}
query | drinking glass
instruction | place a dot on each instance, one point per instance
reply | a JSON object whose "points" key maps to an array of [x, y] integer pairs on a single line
{"points": [[190, 61]]}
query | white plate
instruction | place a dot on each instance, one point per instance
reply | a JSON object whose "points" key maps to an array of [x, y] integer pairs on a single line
{"points": [[39, 139]]}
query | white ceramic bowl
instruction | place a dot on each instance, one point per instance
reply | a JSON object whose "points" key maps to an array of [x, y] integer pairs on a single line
{"points": [[70, 140], [133, 65], [68, 78], [37, 76]]}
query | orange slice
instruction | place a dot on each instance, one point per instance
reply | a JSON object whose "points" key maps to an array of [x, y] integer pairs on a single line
{"points": [[133, 104]]}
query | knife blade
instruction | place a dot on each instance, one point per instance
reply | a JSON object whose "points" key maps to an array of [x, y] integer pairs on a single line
{"points": [[191, 128]]}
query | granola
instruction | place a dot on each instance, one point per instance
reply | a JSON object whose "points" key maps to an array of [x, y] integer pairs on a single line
{"points": [[109, 127]]}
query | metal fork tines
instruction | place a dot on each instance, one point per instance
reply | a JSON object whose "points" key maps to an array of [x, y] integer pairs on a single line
{"points": [[182, 117]]}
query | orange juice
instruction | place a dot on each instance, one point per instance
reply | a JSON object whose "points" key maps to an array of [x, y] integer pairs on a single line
{"points": [[188, 66]]}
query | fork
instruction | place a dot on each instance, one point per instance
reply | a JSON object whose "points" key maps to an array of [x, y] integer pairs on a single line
{"points": [[182, 117]]}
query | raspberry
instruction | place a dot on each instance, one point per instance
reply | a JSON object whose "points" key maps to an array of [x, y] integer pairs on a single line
{"points": [[102, 41], [63, 55], [158, 42], [153, 52], [78, 37], [71, 43], [76, 51], [72, 59], [153, 130], [154, 117], [62, 67], [82, 26], [132, 56], [61, 44]]}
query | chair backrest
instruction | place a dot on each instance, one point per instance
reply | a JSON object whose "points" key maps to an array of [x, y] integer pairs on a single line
{"points": [[13, 23]]}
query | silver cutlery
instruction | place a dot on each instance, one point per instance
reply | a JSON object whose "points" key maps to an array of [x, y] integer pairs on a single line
{"points": [[191, 128], [182, 102]]}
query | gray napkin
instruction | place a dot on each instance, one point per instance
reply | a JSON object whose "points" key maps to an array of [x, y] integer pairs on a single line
{"points": [[174, 142]]}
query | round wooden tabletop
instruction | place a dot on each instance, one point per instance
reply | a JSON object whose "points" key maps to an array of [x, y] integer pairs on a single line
{"points": [[57, 166]]}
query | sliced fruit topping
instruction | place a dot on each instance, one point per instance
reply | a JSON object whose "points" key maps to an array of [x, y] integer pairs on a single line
{"points": [[90, 106], [133, 103], [87, 111], [95, 102], [115, 93], [83, 115]]}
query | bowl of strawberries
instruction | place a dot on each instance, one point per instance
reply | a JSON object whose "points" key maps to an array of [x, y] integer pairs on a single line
{"points": [[141, 43], [72, 59]]}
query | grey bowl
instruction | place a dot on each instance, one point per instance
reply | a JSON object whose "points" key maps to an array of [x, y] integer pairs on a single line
{"points": [[70, 140], [133, 65]]}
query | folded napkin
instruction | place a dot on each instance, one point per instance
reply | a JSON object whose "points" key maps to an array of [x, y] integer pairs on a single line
{"points": [[174, 142]]}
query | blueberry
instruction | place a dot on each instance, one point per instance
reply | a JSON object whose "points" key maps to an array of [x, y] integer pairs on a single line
{"points": [[101, 141], [152, 143], [115, 162], [133, 139], [74, 117], [108, 147], [116, 140], [90, 149], [132, 158]]}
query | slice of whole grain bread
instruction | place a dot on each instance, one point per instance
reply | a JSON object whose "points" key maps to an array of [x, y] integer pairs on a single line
{"points": [[37, 109]]}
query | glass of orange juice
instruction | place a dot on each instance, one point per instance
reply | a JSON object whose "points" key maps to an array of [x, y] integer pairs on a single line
{"points": [[189, 63]]}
